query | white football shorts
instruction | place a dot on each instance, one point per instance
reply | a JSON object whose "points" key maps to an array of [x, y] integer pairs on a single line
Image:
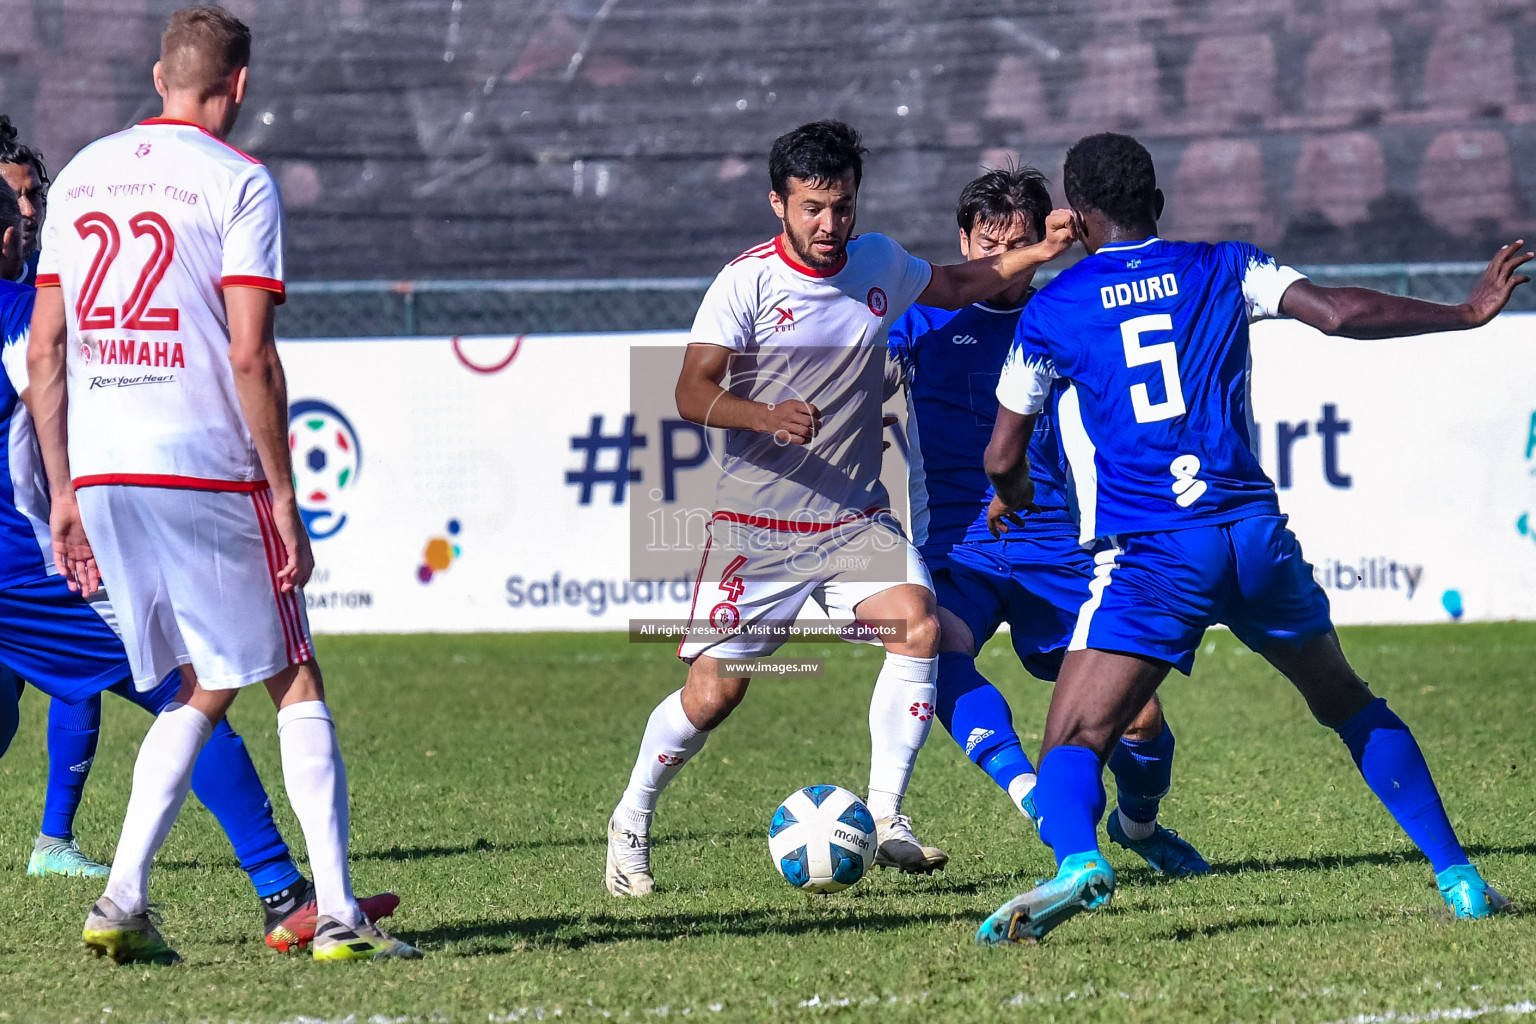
{"points": [[193, 578], [755, 578]]}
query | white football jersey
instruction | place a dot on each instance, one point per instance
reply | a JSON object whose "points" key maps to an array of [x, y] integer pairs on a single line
{"points": [[146, 229], [818, 338]]}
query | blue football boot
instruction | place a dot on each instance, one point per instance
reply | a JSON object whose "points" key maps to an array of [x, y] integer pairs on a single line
{"points": [[1165, 851], [1465, 892], [1085, 882], [1027, 805]]}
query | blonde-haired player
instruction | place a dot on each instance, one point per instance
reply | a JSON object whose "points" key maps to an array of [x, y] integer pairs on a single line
{"points": [[161, 409]]}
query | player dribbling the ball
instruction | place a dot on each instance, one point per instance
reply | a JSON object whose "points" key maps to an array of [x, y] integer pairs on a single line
{"points": [[787, 356]]}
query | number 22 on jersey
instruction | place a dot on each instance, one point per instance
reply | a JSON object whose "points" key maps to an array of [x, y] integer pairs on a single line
{"points": [[137, 314]]}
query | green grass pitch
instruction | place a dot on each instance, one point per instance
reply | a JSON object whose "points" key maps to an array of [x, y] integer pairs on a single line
{"points": [[483, 769]]}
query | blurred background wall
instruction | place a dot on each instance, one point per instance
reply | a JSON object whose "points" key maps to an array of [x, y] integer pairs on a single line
{"points": [[599, 138]]}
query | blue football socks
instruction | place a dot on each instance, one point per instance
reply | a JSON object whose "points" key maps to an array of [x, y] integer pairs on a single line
{"points": [[226, 782], [1389, 757], [978, 717], [72, 733], [1069, 797], [1143, 770]]}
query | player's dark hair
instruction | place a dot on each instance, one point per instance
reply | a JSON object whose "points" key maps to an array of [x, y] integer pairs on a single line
{"points": [[997, 197], [201, 47], [10, 209], [13, 152], [816, 153], [1112, 174]]}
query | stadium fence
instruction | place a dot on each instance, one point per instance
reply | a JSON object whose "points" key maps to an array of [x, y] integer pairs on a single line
{"points": [[386, 309]]}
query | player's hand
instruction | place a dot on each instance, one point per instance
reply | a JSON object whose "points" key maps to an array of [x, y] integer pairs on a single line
{"points": [[1000, 514], [298, 556], [71, 548], [1060, 233], [1498, 283], [791, 422]]}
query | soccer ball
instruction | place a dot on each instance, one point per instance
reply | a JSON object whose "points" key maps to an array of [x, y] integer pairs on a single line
{"points": [[822, 839]]}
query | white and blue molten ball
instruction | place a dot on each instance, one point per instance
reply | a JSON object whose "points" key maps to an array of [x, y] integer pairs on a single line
{"points": [[822, 839]]}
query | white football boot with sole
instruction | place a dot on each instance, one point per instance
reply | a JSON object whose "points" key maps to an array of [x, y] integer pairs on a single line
{"points": [[628, 872]]}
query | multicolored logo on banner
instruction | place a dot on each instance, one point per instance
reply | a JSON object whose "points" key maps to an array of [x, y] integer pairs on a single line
{"points": [[327, 458]]}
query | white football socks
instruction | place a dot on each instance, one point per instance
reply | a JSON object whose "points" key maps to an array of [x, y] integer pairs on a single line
{"points": [[900, 715], [1019, 788], [316, 780], [669, 741], [162, 774]]}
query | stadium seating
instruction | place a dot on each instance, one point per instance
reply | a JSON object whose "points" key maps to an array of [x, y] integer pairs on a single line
{"points": [[1248, 14], [385, 103], [1344, 13], [1467, 181], [1230, 81], [77, 101], [1218, 192], [1015, 93], [1471, 70], [1116, 15], [1119, 88], [1349, 73], [1338, 176], [112, 28]]}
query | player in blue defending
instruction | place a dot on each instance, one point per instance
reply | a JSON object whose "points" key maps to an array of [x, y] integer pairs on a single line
{"points": [[72, 728], [1034, 578], [66, 646], [1150, 339], [21, 167]]}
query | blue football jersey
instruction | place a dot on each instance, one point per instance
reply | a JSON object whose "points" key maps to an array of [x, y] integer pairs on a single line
{"points": [[29, 270], [949, 362], [26, 552], [1152, 337]]}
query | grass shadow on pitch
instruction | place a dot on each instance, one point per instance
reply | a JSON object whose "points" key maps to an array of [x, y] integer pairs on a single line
{"points": [[574, 933], [484, 845], [1334, 861], [1249, 924]]}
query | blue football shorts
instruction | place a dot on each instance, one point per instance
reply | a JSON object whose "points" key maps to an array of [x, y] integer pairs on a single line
{"points": [[1035, 580], [59, 642], [1155, 594]]}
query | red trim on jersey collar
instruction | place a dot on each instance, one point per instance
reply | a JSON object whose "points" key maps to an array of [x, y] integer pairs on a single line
{"points": [[761, 252], [797, 266], [266, 284], [185, 483], [205, 131]]}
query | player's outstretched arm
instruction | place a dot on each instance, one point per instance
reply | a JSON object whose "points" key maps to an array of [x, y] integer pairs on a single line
{"points": [[960, 284], [48, 401], [263, 392], [1007, 466], [701, 399], [1363, 313]]}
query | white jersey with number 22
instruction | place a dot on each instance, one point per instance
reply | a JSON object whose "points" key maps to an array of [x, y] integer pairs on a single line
{"points": [[147, 228]]}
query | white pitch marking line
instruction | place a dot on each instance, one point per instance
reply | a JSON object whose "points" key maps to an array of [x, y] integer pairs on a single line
{"points": [[1519, 1009]]}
